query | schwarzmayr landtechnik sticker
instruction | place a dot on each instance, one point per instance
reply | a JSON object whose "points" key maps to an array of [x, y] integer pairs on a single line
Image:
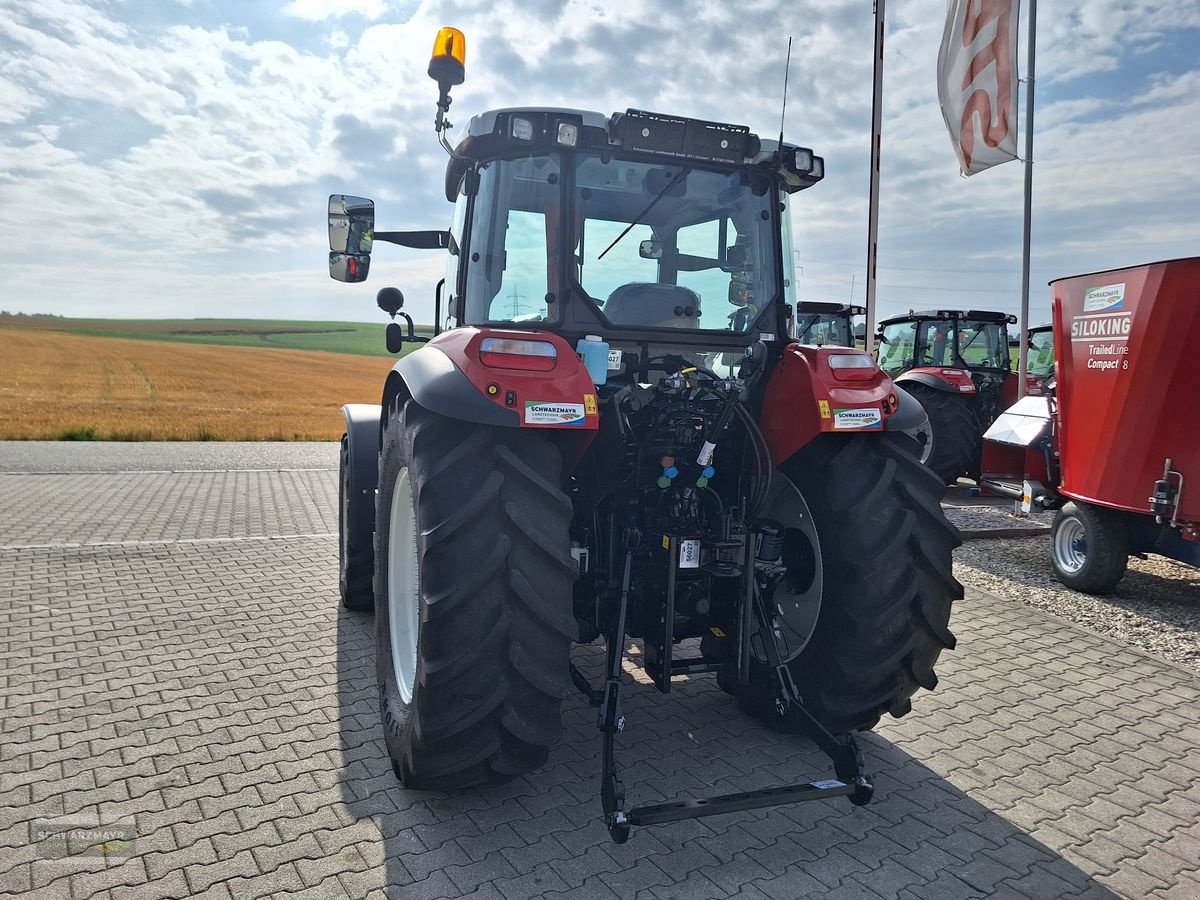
{"points": [[1098, 299], [542, 413], [868, 417]]}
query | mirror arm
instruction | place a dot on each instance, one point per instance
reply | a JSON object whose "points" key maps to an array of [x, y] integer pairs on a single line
{"points": [[437, 307], [417, 240], [412, 335]]}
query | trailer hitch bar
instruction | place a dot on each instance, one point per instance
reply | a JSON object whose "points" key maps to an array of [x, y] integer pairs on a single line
{"points": [[851, 781]]}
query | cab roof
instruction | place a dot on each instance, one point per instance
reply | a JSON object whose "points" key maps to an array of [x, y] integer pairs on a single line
{"points": [[499, 132]]}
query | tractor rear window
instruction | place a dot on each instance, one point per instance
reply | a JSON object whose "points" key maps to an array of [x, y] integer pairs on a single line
{"points": [[983, 345], [672, 246]]}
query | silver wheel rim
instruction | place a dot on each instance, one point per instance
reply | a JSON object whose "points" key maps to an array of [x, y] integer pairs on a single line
{"points": [[1067, 539], [403, 586], [927, 447]]}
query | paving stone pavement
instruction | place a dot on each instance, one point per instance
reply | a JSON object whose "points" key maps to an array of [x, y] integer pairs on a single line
{"points": [[173, 662]]}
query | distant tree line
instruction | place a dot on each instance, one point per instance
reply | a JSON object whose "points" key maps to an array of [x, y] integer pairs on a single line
{"points": [[5, 312]]}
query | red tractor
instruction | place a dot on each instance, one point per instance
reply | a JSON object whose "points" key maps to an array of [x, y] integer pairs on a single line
{"points": [[618, 439], [1114, 447], [957, 365]]}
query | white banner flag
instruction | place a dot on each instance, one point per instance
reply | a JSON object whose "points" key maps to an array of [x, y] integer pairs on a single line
{"points": [[977, 81]]}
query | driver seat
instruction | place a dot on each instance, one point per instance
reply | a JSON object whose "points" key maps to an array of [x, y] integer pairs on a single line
{"points": [[653, 305]]}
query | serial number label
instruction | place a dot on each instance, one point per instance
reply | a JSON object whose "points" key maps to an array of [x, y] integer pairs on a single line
{"points": [[689, 554]]}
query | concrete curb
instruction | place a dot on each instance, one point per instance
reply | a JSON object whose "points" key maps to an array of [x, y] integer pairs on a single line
{"points": [[979, 534]]}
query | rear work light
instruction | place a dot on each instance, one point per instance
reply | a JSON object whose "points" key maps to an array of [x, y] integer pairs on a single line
{"points": [[852, 366], [513, 353]]}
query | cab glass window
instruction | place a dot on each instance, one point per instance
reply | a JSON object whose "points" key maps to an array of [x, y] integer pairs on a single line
{"points": [[897, 348], [512, 271]]}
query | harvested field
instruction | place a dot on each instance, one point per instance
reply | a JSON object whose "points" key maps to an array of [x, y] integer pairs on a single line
{"points": [[55, 385]]}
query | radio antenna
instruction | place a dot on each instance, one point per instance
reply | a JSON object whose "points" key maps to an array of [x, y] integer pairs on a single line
{"points": [[783, 112]]}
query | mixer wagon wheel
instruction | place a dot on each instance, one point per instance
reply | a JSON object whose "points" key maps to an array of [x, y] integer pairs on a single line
{"points": [[1089, 547]]}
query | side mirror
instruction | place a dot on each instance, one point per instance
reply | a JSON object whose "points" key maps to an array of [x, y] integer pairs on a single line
{"points": [[650, 250], [351, 234]]}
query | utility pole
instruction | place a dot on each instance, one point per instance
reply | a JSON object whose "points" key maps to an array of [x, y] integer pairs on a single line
{"points": [[1023, 352], [873, 214], [516, 302]]}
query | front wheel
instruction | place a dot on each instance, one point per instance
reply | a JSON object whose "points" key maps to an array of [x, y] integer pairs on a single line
{"points": [[473, 579], [1089, 548]]}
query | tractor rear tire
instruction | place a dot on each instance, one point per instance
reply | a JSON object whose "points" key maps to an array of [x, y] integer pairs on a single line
{"points": [[356, 564], [957, 435], [1089, 548], [472, 560], [888, 583]]}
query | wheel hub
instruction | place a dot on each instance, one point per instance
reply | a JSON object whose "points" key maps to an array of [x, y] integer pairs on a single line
{"points": [[1070, 545], [403, 586]]}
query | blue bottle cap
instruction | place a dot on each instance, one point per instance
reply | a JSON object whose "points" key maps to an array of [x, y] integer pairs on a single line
{"points": [[671, 471], [709, 472]]}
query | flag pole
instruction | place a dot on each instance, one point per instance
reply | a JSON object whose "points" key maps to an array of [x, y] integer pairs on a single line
{"points": [[873, 213], [1023, 352]]}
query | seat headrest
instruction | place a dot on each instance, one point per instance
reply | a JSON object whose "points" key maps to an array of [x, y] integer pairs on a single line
{"points": [[658, 305]]}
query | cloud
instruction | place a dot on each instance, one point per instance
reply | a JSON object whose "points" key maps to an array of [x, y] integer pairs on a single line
{"points": [[319, 10], [182, 159]]}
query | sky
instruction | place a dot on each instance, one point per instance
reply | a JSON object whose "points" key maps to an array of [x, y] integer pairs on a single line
{"points": [[172, 158]]}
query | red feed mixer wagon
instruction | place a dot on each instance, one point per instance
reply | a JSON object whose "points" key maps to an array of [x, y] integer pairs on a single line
{"points": [[1117, 450]]}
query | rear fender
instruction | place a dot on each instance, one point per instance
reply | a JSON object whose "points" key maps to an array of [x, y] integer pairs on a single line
{"points": [[362, 437], [953, 381], [909, 416], [806, 396], [448, 376]]}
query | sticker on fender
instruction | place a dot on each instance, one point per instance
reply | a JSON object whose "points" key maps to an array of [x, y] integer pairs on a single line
{"points": [[867, 417], [542, 413]]}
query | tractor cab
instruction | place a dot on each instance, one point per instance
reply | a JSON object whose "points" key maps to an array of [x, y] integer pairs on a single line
{"points": [[827, 324], [974, 343], [1041, 352], [957, 364]]}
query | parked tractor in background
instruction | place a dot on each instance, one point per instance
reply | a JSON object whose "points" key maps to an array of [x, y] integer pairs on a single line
{"points": [[1115, 449], [619, 439], [1040, 340], [827, 324], [957, 365], [833, 324]]}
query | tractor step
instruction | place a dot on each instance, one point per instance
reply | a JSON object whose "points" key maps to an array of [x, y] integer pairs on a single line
{"points": [[679, 810]]}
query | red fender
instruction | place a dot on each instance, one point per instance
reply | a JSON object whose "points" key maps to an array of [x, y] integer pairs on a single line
{"points": [[811, 392]]}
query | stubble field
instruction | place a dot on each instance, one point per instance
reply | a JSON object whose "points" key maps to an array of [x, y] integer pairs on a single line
{"points": [[56, 385]]}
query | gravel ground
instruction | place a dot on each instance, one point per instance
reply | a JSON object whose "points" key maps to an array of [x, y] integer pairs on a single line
{"points": [[993, 516], [1155, 608]]}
